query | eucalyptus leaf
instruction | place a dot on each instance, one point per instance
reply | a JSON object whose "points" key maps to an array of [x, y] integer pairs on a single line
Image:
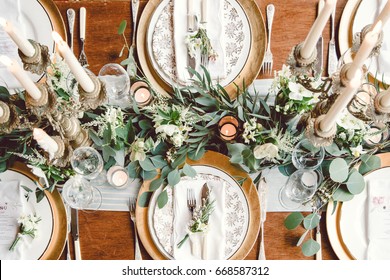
{"points": [[369, 163], [122, 27], [310, 247], [108, 152], [173, 177], [145, 124], [162, 199], [95, 138], [293, 220], [155, 184], [196, 154], [133, 169], [147, 165], [302, 238], [355, 183], [189, 171], [148, 175], [39, 194], [311, 221], [287, 170], [338, 170], [158, 161], [342, 194], [144, 199], [334, 150]]}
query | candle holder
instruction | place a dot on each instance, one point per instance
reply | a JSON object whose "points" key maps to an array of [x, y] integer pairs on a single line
{"points": [[358, 38], [363, 103], [45, 104], [39, 62], [140, 92], [82, 140], [228, 128], [318, 137], [62, 156], [378, 133], [9, 119], [71, 128], [301, 65], [117, 177], [91, 100]]}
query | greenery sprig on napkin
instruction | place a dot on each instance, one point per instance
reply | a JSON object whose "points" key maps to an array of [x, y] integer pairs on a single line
{"points": [[28, 226], [199, 221]]}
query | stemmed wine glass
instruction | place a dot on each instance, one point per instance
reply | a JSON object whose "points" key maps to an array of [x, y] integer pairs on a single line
{"points": [[303, 183], [78, 192]]}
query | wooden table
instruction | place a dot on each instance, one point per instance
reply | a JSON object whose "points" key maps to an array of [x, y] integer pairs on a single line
{"points": [[109, 235]]}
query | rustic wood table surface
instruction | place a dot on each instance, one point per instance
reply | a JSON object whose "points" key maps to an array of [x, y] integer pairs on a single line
{"points": [[109, 235]]}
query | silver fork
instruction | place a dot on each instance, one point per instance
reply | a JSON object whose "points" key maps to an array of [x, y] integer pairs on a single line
{"points": [[83, 17], [191, 201], [132, 206], [268, 59]]}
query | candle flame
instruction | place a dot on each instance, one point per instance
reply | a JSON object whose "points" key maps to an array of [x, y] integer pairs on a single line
{"points": [[56, 37], [5, 60], [3, 22]]}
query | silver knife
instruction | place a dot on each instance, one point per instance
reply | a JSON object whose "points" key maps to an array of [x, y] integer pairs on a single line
{"points": [[262, 189], [71, 14], [191, 22], [75, 233], [332, 55], [320, 44]]}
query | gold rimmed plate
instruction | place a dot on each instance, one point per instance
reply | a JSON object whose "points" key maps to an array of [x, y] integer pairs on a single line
{"points": [[348, 217], [52, 230], [220, 163], [248, 70]]}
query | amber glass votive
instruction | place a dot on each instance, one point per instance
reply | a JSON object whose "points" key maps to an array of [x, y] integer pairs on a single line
{"points": [[228, 128]]}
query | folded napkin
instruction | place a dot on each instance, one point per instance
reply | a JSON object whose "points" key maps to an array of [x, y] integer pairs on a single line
{"points": [[215, 31], [378, 220], [11, 207], [216, 228]]}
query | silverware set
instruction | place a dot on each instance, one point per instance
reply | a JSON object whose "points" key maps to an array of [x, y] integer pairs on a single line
{"points": [[268, 57], [132, 207], [71, 15]]}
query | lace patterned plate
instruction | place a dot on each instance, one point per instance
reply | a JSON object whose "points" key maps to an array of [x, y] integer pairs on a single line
{"points": [[160, 221], [160, 41]]}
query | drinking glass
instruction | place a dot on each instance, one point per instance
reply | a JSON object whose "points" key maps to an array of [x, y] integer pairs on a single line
{"points": [[78, 193], [117, 84], [307, 156], [299, 188], [87, 162]]}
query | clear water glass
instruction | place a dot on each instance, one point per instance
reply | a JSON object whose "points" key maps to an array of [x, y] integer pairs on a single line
{"points": [[78, 193], [87, 162], [299, 188], [307, 156], [117, 84]]}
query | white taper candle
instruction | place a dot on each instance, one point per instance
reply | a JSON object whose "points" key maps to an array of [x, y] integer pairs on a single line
{"points": [[23, 44], [45, 141]]}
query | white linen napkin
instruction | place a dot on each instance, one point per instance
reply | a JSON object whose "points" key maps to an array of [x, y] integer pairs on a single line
{"points": [[378, 220], [11, 207], [215, 31], [182, 216]]}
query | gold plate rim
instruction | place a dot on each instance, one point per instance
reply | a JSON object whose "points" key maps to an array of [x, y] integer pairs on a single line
{"points": [[333, 220], [59, 233], [248, 73], [222, 162]]}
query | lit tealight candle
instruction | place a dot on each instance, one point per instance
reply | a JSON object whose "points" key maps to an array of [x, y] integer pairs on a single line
{"points": [[228, 128], [117, 176], [23, 44], [78, 71], [22, 77], [317, 28], [142, 96], [45, 141]]}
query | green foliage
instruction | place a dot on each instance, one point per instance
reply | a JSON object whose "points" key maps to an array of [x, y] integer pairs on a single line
{"points": [[338, 170], [293, 220]]}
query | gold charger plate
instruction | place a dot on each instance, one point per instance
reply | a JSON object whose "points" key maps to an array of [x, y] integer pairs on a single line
{"points": [[222, 162], [59, 233], [55, 17], [249, 72], [333, 221]]}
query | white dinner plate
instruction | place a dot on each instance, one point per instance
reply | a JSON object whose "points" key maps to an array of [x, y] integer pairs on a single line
{"points": [[34, 23], [42, 209], [354, 219], [366, 13], [160, 221], [160, 41]]}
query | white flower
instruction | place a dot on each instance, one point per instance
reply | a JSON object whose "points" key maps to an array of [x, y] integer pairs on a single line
{"points": [[267, 150], [37, 171], [177, 139], [350, 122], [315, 98], [137, 150], [285, 72], [298, 92], [357, 151], [168, 129]]}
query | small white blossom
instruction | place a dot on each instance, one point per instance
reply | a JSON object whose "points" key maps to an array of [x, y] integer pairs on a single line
{"points": [[298, 92], [268, 151], [357, 151]]}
